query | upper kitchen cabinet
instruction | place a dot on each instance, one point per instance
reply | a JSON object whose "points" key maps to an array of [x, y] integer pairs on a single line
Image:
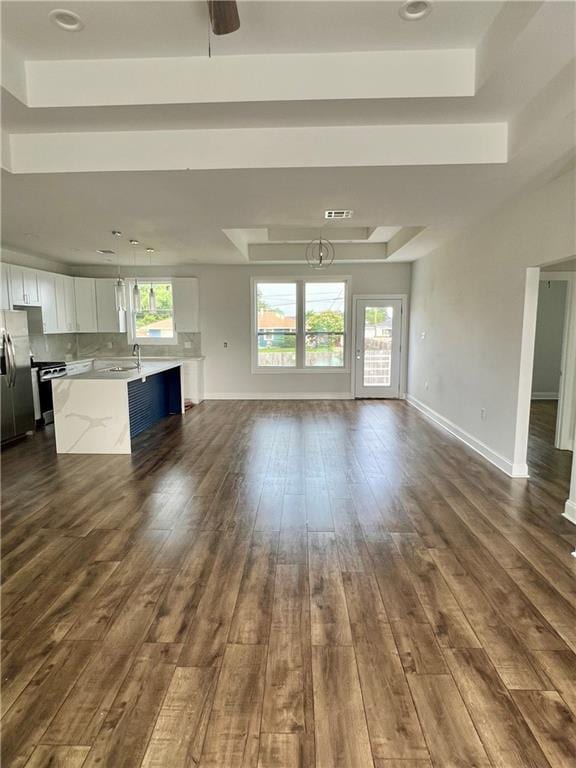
{"points": [[4, 287], [65, 304], [24, 286], [110, 320], [85, 299], [47, 289], [186, 304]]}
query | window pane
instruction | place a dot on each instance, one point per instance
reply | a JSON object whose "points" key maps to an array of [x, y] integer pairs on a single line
{"points": [[157, 324], [276, 307], [276, 320], [277, 350], [324, 349], [378, 346], [324, 307]]}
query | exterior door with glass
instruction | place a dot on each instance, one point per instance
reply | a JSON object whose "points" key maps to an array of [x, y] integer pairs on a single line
{"points": [[377, 347]]}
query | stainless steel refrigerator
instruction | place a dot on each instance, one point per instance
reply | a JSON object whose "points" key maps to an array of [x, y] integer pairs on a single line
{"points": [[17, 402]]}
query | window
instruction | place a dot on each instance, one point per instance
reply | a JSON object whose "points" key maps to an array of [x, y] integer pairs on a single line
{"points": [[155, 326], [300, 324]]}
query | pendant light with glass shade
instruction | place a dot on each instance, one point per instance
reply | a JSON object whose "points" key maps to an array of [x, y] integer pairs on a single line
{"points": [[136, 303], [120, 291], [151, 292]]}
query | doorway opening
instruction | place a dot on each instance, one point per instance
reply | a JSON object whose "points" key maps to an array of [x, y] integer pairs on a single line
{"points": [[552, 425]]}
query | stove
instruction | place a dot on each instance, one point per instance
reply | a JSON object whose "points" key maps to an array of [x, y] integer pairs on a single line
{"points": [[48, 370]]}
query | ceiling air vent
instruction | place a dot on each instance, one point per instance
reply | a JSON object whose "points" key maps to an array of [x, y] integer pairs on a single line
{"points": [[338, 214]]}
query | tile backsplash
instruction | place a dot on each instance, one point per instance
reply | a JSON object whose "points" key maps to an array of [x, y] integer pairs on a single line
{"points": [[76, 346], [116, 345], [57, 346]]}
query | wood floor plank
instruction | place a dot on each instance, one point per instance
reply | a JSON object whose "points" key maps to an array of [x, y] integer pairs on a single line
{"points": [[232, 738], [288, 671], [551, 722], [394, 730], [449, 731], [328, 612], [26, 721], [81, 715], [126, 729], [281, 750], [57, 757], [560, 668], [504, 733], [179, 731], [253, 611], [340, 721]]}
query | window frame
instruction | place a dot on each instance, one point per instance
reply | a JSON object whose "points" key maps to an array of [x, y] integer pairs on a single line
{"points": [[300, 366], [158, 341]]}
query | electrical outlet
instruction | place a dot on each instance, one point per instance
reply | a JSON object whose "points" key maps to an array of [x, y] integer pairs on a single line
{"points": [[483, 414], [225, 345], [422, 334], [187, 345], [426, 386], [109, 345]]}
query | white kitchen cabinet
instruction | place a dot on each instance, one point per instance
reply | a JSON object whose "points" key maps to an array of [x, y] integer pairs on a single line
{"points": [[193, 380], [185, 295], [24, 286], [85, 302], [47, 289], [65, 304], [109, 319], [5, 287]]}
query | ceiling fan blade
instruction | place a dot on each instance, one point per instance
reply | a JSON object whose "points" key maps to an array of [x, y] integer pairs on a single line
{"points": [[223, 16]]}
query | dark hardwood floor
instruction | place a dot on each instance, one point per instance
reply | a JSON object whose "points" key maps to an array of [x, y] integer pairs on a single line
{"points": [[279, 584]]}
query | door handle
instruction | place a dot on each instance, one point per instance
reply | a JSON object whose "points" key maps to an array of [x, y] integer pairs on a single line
{"points": [[10, 360]]}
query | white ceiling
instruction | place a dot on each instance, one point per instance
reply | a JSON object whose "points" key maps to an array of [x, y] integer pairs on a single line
{"points": [[525, 75], [117, 30]]}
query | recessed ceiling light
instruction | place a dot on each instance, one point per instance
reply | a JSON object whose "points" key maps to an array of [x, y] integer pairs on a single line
{"points": [[116, 233], [414, 10], [134, 242], [149, 250], [338, 213], [105, 251], [66, 20]]}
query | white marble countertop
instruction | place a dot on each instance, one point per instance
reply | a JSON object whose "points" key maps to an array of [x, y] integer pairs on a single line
{"points": [[148, 368]]}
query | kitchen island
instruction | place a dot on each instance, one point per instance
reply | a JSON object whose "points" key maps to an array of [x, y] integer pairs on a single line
{"points": [[103, 409]]}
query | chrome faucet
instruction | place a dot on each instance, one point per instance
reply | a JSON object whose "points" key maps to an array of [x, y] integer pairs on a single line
{"points": [[136, 354]]}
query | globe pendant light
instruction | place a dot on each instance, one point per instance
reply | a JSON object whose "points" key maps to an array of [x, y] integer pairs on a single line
{"points": [[320, 253]]}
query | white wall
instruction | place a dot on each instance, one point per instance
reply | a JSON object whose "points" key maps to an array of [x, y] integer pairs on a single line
{"points": [[467, 318], [548, 345], [225, 317]]}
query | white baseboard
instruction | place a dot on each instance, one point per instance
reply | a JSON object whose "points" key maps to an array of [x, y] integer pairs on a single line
{"points": [[511, 469], [570, 511], [545, 395], [279, 396]]}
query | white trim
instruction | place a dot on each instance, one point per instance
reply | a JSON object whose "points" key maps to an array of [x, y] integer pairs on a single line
{"points": [[570, 511], [512, 470], [279, 396], [544, 395], [567, 396], [404, 298]]}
